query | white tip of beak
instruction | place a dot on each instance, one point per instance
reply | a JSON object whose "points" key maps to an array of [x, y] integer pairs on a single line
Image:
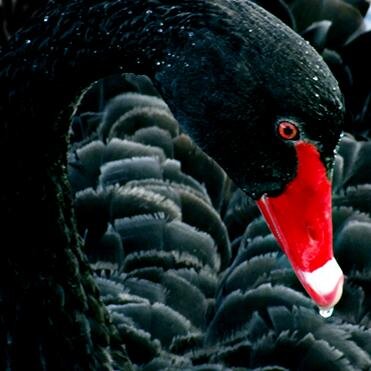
{"points": [[324, 284]]}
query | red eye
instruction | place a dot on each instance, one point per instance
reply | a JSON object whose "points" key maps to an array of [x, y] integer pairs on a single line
{"points": [[288, 130]]}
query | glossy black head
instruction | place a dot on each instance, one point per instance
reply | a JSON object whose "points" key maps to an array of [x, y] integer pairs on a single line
{"points": [[232, 79]]}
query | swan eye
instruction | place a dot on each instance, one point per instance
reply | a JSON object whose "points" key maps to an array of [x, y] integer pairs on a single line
{"points": [[288, 131]]}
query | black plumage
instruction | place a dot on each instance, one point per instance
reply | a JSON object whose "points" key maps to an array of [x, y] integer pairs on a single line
{"points": [[68, 47], [164, 260], [114, 117]]}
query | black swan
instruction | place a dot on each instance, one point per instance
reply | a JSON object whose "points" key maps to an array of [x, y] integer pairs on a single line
{"points": [[286, 115]]}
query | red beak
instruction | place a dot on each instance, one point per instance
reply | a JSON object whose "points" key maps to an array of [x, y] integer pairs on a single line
{"points": [[301, 220]]}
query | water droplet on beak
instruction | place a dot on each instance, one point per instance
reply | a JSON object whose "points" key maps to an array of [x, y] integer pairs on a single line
{"points": [[326, 312]]}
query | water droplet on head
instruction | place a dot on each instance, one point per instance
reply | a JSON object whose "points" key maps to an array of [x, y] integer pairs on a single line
{"points": [[316, 95], [250, 30], [315, 78], [182, 27], [158, 63], [28, 41], [160, 30], [326, 312], [149, 11], [46, 18]]}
